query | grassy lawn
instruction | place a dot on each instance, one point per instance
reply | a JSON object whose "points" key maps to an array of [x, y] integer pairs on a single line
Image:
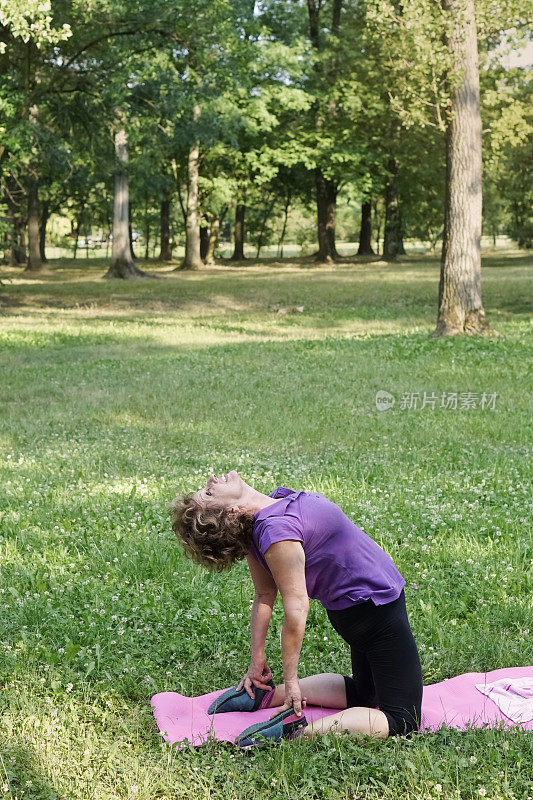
{"points": [[116, 396]]}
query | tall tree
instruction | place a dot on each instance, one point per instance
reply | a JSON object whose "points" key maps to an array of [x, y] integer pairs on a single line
{"points": [[165, 253], [122, 264], [365, 235], [238, 233], [460, 307], [326, 187], [34, 263], [392, 237], [193, 259]]}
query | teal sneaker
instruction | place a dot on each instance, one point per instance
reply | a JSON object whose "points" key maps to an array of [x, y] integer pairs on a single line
{"points": [[240, 700], [285, 725]]}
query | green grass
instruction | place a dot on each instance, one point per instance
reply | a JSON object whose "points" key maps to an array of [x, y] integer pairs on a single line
{"points": [[115, 396]]}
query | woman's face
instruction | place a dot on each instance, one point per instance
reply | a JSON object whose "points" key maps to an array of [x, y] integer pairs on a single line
{"points": [[221, 492]]}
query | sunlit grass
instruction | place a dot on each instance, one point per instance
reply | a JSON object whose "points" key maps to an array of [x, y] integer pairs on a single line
{"points": [[117, 395]]}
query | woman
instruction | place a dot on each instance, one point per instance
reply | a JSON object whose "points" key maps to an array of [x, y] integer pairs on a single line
{"points": [[303, 545]]}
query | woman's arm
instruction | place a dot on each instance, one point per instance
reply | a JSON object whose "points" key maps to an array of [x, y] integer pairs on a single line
{"points": [[292, 634], [260, 615], [286, 560], [265, 596]]}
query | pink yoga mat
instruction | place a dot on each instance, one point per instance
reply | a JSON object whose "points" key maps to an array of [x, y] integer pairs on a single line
{"points": [[454, 702]]}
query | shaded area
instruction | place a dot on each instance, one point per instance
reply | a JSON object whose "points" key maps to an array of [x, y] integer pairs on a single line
{"points": [[366, 290]]}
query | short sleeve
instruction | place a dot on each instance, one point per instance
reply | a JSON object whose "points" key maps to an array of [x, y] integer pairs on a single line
{"points": [[278, 529]]}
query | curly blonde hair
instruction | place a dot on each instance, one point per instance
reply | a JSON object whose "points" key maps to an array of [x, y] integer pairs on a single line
{"points": [[210, 536]]}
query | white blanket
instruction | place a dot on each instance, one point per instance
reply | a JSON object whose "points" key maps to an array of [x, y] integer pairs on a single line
{"points": [[514, 698]]}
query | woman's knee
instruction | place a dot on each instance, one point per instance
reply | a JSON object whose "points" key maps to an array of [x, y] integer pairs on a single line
{"points": [[402, 721]]}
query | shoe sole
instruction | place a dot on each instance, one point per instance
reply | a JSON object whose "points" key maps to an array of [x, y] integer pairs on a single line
{"points": [[265, 725], [298, 725]]}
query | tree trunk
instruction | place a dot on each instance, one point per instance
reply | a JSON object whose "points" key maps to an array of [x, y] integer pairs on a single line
{"points": [[204, 242], [130, 234], [122, 264], [192, 258], [45, 214], [331, 217], [460, 308], [147, 240], [166, 249], [16, 247], [284, 229], [322, 218], [326, 208], [34, 263], [213, 240], [20, 251], [392, 235], [9, 247], [365, 234], [401, 246], [78, 228], [377, 221], [238, 250]]}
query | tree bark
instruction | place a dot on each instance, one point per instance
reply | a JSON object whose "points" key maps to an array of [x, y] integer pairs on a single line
{"points": [[45, 214], [16, 248], [122, 264], [323, 218], [79, 221], [378, 219], [147, 241], [460, 308], [238, 250], [365, 234], [331, 217], [192, 258], [213, 240], [204, 241], [285, 219], [130, 234], [34, 263], [392, 234], [166, 249], [9, 247]]}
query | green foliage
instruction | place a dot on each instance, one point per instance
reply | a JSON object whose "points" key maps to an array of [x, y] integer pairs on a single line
{"points": [[275, 104], [31, 21], [508, 150]]}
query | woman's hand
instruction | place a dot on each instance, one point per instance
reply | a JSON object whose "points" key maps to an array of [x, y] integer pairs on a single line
{"points": [[293, 698], [258, 673]]}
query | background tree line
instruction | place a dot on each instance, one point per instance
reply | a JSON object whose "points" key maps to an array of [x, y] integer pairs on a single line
{"points": [[176, 119]]}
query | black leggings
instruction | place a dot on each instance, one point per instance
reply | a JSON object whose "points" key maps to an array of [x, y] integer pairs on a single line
{"points": [[385, 662]]}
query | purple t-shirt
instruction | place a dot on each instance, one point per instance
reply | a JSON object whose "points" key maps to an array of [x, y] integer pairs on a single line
{"points": [[343, 566]]}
